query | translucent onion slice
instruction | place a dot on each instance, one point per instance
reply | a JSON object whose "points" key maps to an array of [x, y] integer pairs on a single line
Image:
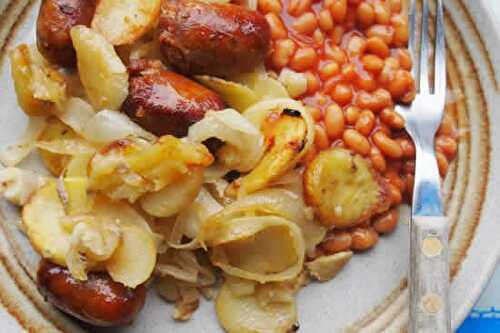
{"points": [[17, 185], [66, 147], [262, 248], [270, 308], [244, 142], [282, 203], [76, 113], [258, 112], [12, 155]]}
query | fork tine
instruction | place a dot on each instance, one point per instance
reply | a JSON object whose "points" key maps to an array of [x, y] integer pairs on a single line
{"points": [[412, 43], [440, 53], [424, 50]]}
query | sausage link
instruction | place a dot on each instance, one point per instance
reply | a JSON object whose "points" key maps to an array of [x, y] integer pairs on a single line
{"points": [[202, 38], [164, 102], [99, 301], [55, 20]]}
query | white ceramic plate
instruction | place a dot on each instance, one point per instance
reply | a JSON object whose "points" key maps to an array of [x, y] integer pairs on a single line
{"points": [[370, 294]]}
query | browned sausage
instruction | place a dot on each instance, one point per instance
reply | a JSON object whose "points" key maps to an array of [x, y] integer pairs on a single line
{"points": [[55, 20], [202, 38], [164, 102], [99, 301]]}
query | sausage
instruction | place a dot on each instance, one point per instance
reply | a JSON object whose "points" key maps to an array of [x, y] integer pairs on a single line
{"points": [[99, 301], [208, 38], [55, 20], [164, 102]]}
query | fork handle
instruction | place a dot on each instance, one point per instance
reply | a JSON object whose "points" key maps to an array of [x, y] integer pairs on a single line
{"points": [[429, 275]]}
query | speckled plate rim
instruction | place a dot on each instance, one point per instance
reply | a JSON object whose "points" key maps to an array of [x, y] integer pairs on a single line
{"points": [[474, 70]]}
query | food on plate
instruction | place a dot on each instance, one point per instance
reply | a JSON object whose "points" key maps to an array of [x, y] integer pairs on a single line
{"points": [[55, 20], [343, 188], [98, 301], [125, 22], [231, 151], [208, 38], [39, 86], [164, 102], [101, 71]]}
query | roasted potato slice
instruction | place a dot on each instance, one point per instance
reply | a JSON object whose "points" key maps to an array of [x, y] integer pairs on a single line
{"points": [[124, 22], [343, 188], [39, 87], [102, 72], [285, 139]]}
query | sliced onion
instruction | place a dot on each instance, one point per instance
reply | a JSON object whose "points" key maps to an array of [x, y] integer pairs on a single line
{"points": [[76, 113], [70, 147], [12, 155], [244, 142], [108, 126], [18, 185]]}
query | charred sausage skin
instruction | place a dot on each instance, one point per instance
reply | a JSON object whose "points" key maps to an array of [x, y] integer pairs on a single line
{"points": [[164, 102], [217, 39], [99, 301], [55, 20]]}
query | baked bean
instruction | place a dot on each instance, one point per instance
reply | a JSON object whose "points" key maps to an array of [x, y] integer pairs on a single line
{"points": [[337, 34], [404, 58], [318, 37], [400, 84], [394, 179], [283, 52], [335, 53], [315, 112], [372, 63], [356, 46], [334, 121], [375, 101], [395, 6], [384, 128], [313, 83], [328, 70], [269, 6], [303, 59], [392, 118], [383, 31], [342, 94], [382, 13], [349, 72], [376, 45], [365, 122], [321, 138], [407, 146], [401, 30], [325, 20], [447, 126], [278, 30], [338, 10], [305, 24], [447, 145], [363, 239], [377, 159], [442, 162], [356, 141], [338, 241], [299, 7], [387, 146], [352, 114], [366, 82], [387, 222], [395, 195], [365, 14]]}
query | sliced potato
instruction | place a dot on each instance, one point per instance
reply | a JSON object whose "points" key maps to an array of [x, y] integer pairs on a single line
{"points": [[262, 84], [326, 268], [135, 258], [39, 87], [236, 95], [285, 137], [343, 188], [102, 72], [41, 219], [124, 22]]}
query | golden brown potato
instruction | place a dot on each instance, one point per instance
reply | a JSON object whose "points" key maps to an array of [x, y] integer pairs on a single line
{"points": [[343, 188], [208, 38], [55, 130], [99, 301], [55, 20]]}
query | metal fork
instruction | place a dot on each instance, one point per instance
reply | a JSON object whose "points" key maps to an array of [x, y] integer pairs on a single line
{"points": [[429, 270]]}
